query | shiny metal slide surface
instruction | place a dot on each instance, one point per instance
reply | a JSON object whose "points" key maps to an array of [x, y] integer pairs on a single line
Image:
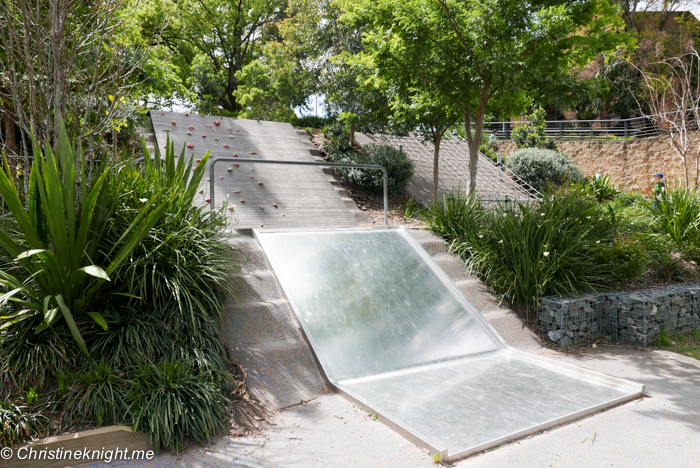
{"points": [[393, 333]]}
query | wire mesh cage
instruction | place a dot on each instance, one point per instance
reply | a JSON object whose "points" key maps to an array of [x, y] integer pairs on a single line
{"points": [[635, 317]]}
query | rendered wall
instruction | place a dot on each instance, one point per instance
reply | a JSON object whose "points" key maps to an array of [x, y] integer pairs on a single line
{"points": [[629, 163]]}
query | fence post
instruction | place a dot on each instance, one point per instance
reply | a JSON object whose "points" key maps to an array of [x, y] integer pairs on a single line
{"points": [[507, 203], [626, 128], [561, 129]]}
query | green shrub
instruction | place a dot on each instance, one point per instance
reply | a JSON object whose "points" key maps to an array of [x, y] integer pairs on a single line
{"points": [[19, 422], [598, 188], [532, 134], [398, 166], [543, 169], [61, 229], [455, 215], [185, 258], [338, 137], [677, 212], [627, 199], [663, 262], [99, 394], [626, 256], [531, 251], [313, 121], [171, 402]]}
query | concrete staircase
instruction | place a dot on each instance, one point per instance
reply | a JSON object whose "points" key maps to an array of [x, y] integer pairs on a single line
{"points": [[263, 334]]}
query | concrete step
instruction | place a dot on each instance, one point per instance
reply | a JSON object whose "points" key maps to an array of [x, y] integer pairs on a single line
{"points": [[452, 266], [257, 286], [263, 335]]}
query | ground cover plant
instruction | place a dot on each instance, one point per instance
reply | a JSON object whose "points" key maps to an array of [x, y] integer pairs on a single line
{"points": [[686, 344], [147, 347]]}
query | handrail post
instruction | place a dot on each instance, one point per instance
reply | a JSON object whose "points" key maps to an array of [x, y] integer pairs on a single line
{"points": [[385, 176], [626, 128]]}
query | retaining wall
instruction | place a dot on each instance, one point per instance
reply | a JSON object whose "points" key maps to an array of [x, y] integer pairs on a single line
{"points": [[629, 163], [634, 317]]}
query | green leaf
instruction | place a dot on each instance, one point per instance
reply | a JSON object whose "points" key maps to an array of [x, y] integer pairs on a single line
{"points": [[29, 253], [71, 324], [99, 319], [94, 270], [5, 297], [50, 317]]}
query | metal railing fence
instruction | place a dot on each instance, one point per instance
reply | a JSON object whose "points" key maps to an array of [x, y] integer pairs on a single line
{"points": [[597, 130]]}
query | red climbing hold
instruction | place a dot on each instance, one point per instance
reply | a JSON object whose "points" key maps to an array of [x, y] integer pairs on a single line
{"points": [[207, 200], [217, 123], [190, 145], [225, 146], [191, 128], [235, 165]]}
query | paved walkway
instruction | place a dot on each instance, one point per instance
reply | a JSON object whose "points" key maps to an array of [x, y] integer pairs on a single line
{"points": [[659, 431]]}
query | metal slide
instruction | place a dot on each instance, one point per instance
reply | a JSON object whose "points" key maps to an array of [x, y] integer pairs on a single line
{"points": [[393, 333]]}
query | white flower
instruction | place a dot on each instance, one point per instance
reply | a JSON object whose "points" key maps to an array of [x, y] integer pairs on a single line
{"points": [[541, 214], [143, 200], [546, 254], [588, 217], [481, 236], [597, 242], [500, 241]]}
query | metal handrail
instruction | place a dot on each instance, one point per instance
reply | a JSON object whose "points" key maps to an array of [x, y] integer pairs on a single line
{"points": [[302, 163], [385, 175]]}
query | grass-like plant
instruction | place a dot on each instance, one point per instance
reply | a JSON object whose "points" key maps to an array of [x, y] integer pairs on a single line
{"points": [[33, 359], [61, 228], [133, 336], [455, 215], [185, 258], [677, 212], [171, 401], [19, 422], [533, 250], [600, 188], [99, 394]]}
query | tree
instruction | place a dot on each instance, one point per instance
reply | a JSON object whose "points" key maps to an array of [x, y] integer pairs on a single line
{"points": [[673, 100], [61, 61], [263, 94], [479, 54], [212, 40], [322, 48], [417, 110]]}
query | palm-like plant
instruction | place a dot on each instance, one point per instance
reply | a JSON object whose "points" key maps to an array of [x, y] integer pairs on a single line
{"points": [[60, 230]]}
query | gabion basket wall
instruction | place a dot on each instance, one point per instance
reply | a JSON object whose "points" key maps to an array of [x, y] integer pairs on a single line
{"points": [[634, 317]]}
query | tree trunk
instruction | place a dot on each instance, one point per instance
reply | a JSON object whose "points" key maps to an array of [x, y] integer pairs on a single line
{"points": [[352, 134], [473, 148], [436, 156]]}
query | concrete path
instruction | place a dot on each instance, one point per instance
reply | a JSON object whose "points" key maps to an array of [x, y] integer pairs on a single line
{"points": [[659, 431]]}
